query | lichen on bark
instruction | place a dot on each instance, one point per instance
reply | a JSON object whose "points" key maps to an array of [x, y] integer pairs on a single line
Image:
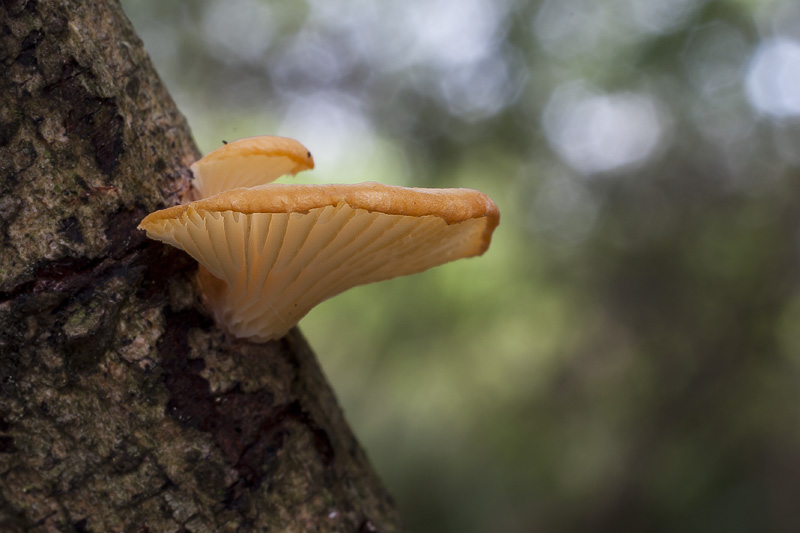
{"points": [[122, 406]]}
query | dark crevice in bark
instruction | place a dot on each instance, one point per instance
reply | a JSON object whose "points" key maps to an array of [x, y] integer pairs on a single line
{"points": [[249, 428], [90, 117]]}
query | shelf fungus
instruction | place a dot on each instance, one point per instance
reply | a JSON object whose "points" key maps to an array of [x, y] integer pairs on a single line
{"points": [[270, 252]]}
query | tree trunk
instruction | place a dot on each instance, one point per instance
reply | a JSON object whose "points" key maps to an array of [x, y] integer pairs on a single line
{"points": [[122, 406]]}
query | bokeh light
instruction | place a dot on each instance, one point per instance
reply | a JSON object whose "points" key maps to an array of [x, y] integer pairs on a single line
{"points": [[599, 132], [773, 78]]}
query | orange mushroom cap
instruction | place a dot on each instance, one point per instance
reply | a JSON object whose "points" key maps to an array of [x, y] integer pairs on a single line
{"points": [[269, 254], [249, 162]]}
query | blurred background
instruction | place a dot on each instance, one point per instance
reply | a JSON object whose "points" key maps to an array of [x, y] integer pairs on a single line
{"points": [[626, 356]]}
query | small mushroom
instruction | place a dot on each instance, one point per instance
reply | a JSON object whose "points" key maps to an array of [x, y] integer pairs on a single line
{"points": [[249, 162], [269, 254]]}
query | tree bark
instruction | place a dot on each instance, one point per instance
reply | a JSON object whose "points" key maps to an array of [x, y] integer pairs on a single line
{"points": [[122, 406]]}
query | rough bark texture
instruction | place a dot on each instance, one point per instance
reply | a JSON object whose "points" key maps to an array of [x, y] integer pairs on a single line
{"points": [[122, 406]]}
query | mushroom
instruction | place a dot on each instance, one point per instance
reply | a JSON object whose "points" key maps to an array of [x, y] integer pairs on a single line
{"points": [[269, 254], [249, 162]]}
